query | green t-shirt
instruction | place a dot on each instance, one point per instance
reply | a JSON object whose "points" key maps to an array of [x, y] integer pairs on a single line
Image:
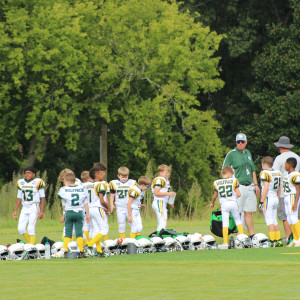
{"points": [[242, 164]]}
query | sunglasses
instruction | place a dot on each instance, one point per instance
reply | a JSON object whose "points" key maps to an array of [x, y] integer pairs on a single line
{"points": [[147, 186], [238, 142]]}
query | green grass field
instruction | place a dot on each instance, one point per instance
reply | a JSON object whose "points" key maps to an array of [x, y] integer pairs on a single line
{"points": [[218, 274]]}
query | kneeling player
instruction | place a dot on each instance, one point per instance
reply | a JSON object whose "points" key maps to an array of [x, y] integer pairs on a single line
{"points": [[135, 195], [227, 190], [270, 192], [74, 200]]}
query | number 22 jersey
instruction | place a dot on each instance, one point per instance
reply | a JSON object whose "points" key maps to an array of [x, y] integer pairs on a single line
{"points": [[226, 189]]}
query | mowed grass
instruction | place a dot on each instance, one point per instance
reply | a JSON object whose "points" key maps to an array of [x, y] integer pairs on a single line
{"points": [[217, 274]]}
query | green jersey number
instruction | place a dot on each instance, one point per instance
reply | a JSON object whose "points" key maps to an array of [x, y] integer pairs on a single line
{"points": [[75, 200], [90, 196], [276, 183], [225, 191], [122, 193], [286, 187], [28, 195]]}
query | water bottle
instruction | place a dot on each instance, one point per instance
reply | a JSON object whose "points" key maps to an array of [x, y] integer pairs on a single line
{"points": [[47, 250], [232, 243]]}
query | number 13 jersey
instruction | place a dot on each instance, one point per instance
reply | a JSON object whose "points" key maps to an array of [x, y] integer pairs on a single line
{"points": [[226, 189], [31, 191]]}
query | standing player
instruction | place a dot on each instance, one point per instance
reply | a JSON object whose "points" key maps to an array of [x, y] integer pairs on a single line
{"points": [[270, 193], [136, 194], [74, 200], [97, 190], [291, 188], [227, 190], [31, 193], [119, 192], [161, 193]]}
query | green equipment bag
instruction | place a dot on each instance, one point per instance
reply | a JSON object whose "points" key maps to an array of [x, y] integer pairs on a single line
{"points": [[216, 223], [142, 237], [167, 233]]}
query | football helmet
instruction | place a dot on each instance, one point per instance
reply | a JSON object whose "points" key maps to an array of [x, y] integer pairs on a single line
{"points": [[260, 240], [158, 244], [16, 252], [31, 252], [184, 242], [111, 247], [57, 250], [195, 240], [242, 241], [145, 246], [3, 252], [171, 244], [208, 242], [41, 250]]}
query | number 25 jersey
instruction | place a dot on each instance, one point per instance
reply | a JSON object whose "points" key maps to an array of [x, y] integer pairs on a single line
{"points": [[226, 189], [31, 191]]}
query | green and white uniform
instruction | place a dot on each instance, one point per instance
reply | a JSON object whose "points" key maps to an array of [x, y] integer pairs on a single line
{"points": [[73, 199], [137, 195]]}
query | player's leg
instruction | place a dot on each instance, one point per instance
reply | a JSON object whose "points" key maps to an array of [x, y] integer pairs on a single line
{"points": [[78, 222], [133, 225], [295, 221], [225, 222], [121, 216], [34, 213], [283, 217], [22, 224], [68, 229], [161, 214], [236, 216], [268, 212]]}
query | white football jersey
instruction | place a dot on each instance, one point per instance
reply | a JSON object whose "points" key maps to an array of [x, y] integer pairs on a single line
{"points": [[289, 182], [73, 197], [94, 189], [137, 195], [164, 186], [273, 177], [121, 190], [32, 191], [226, 189]]}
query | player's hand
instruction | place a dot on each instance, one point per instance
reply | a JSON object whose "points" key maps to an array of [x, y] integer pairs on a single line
{"points": [[62, 219], [212, 205], [88, 220], [112, 208], [107, 211], [261, 206], [294, 208], [143, 205], [171, 205], [41, 215], [172, 194], [14, 214], [130, 219]]}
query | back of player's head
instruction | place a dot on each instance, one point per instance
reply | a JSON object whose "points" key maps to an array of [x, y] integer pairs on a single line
{"points": [[94, 171], [85, 175], [70, 177], [267, 160], [63, 173], [124, 171], [292, 161], [163, 168], [99, 166], [227, 170], [144, 180], [31, 169]]}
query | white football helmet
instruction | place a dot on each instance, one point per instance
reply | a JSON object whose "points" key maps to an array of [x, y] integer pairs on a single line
{"points": [[125, 242], [208, 242], [171, 244], [195, 240], [3, 252], [184, 242], [57, 250], [16, 252], [41, 250], [242, 241], [145, 246], [31, 251], [260, 240], [158, 244], [111, 247]]}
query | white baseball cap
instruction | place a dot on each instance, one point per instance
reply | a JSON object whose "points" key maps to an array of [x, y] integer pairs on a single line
{"points": [[241, 137]]}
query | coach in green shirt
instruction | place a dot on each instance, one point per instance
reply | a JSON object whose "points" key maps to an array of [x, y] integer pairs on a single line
{"points": [[240, 159]]}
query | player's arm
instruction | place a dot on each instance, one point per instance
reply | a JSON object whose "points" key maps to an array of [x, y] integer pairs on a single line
{"points": [[111, 201], [265, 191], [157, 192], [101, 197], [14, 214], [129, 209], [297, 196], [213, 199], [87, 212], [43, 201], [238, 192]]}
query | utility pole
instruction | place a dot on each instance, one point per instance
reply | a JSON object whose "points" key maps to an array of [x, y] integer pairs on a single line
{"points": [[103, 146]]}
